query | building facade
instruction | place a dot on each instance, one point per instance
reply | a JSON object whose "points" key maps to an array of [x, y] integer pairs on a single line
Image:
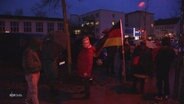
{"points": [[99, 20], [167, 27], [142, 21], [27, 24]]}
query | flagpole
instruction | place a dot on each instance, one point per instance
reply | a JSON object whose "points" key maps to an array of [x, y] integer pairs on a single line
{"points": [[123, 51]]}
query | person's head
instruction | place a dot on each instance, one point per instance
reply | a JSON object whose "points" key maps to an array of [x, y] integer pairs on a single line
{"points": [[126, 41], [166, 41], [86, 42]]}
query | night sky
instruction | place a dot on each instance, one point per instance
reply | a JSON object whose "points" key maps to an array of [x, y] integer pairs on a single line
{"points": [[161, 8]]}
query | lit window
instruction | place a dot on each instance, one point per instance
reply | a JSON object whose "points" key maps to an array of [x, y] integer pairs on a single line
{"points": [[92, 23], [76, 32], [97, 23], [82, 25], [87, 23], [152, 25]]}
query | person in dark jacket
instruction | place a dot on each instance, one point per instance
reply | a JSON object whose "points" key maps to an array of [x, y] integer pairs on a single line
{"points": [[142, 64], [32, 67], [49, 54], [164, 59], [85, 64]]}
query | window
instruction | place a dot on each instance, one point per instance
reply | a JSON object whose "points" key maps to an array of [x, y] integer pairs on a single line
{"points": [[14, 26], [60, 26], [92, 23], [2, 26], [97, 23], [50, 27], [27, 27], [77, 32], [82, 25], [39, 27]]}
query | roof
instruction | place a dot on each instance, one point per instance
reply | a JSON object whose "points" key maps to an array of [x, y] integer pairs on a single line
{"points": [[22, 35], [139, 11], [101, 10], [167, 21], [29, 17]]}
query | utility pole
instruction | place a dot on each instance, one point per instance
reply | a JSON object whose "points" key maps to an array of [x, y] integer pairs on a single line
{"points": [[181, 81], [180, 67], [145, 21], [66, 31]]}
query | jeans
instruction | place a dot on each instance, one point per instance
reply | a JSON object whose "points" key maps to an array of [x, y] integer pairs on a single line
{"points": [[32, 91]]}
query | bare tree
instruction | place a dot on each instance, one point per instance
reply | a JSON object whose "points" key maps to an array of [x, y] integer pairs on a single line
{"points": [[39, 12], [55, 4], [66, 30], [176, 9]]}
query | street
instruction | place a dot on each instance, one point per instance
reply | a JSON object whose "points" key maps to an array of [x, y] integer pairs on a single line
{"points": [[104, 90]]}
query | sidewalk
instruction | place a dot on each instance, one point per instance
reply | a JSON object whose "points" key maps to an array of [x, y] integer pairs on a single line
{"points": [[104, 90]]}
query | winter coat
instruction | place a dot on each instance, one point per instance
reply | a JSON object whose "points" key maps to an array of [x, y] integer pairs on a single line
{"points": [[85, 62], [164, 58]]}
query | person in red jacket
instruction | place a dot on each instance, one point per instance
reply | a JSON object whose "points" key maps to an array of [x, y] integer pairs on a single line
{"points": [[85, 64]]}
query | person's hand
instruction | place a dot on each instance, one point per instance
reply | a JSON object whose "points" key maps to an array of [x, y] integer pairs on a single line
{"points": [[99, 62]]}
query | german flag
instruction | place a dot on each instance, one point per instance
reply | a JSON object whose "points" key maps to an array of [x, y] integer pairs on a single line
{"points": [[111, 38]]}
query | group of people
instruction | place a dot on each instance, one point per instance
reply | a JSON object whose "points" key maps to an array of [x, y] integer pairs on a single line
{"points": [[43, 55], [150, 62], [33, 63]]}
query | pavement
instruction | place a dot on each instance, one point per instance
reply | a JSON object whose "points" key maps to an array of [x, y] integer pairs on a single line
{"points": [[104, 90]]}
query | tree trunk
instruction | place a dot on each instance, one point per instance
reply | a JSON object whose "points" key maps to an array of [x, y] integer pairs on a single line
{"points": [[66, 30]]}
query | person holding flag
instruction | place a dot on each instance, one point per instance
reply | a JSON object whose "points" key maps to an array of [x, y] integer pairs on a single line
{"points": [[113, 38], [113, 42], [85, 64]]}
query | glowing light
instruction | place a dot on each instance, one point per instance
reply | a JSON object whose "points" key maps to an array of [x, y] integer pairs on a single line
{"points": [[136, 38], [141, 4], [7, 31], [61, 63]]}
